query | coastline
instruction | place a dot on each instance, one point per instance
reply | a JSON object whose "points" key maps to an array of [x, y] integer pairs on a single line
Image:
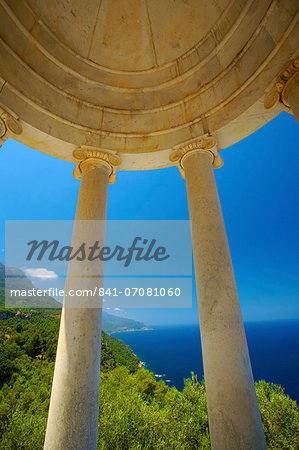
{"points": [[131, 330], [175, 352], [142, 363]]}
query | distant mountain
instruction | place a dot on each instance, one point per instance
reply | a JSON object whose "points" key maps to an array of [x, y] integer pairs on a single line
{"points": [[13, 278], [114, 324]]}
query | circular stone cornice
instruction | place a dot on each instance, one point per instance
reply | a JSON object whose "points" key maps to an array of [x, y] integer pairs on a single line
{"points": [[58, 91], [208, 65], [228, 20]]}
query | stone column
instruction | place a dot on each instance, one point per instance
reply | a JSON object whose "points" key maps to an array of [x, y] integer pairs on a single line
{"points": [[286, 90], [234, 417], [73, 413]]}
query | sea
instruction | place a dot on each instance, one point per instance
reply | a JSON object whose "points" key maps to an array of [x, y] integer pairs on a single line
{"points": [[173, 352]]}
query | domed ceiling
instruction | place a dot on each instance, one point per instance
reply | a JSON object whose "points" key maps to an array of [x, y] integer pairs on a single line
{"points": [[141, 77]]}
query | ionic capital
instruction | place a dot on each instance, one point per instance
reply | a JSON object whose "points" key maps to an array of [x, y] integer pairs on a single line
{"points": [[206, 145], [279, 91], [9, 126], [85, 155]]}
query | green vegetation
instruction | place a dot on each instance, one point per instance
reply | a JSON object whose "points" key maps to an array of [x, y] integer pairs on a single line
{"points": [[136, 411], [12, 278], [32, 335]]}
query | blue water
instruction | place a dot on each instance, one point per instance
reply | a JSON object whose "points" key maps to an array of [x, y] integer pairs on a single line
{"points": [[174, 352]]}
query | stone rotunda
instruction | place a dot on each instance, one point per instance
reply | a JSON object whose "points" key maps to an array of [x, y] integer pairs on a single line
{"points": [[144, 84]]}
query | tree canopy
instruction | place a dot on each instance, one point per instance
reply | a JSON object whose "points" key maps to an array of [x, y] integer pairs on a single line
{"points": [[136, 411]]}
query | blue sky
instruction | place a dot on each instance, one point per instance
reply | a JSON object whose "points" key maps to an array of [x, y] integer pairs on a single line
{"points": [[258, 189]]}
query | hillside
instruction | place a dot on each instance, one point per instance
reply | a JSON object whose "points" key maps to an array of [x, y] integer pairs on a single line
{"points": [[113, 324], [13, 278], [35, 334], [136, 411]]}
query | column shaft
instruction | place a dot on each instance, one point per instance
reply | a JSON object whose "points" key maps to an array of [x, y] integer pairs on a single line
{"points": [[73, 413], [234, 417]]}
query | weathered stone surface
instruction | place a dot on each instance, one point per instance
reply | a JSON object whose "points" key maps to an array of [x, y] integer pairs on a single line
{"points": [[140, 77], [74, 406]]}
